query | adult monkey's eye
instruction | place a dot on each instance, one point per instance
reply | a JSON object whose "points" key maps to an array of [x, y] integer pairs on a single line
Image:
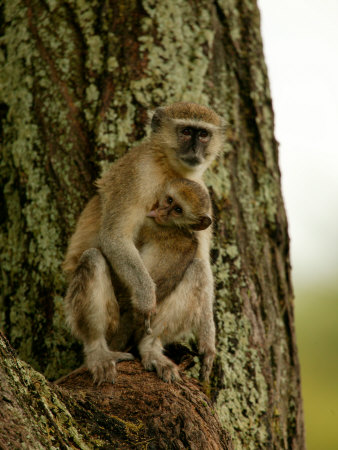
{"points": [[169, 200], [178, 209], [203, 134], [187, 132]]}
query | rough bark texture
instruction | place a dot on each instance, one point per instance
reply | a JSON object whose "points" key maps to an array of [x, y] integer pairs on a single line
{"points": [[78, 78], [139, 411]]}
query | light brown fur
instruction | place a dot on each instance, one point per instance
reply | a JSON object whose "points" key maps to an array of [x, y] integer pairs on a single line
{"points": [[126, 193]]}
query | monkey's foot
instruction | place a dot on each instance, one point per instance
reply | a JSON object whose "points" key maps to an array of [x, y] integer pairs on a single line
{"points": [[102, 364], [165, 368]]}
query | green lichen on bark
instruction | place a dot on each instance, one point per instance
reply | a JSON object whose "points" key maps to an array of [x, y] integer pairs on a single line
{"points": [[32, 243], [177, 47], [31, 226], [32, 408]]}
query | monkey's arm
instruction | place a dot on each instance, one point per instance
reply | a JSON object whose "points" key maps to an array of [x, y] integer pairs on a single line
{"points": [[125, 260], [206, 327]]}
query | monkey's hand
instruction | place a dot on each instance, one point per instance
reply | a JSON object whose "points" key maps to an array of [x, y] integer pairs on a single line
{"points": [[207, 363], [145, 308], [144, 298]]}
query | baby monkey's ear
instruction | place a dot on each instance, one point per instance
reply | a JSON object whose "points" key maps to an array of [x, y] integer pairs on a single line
{"points": [[203, 223]]}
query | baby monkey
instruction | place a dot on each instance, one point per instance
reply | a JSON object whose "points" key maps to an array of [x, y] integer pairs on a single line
{"points": [[167, 243]]}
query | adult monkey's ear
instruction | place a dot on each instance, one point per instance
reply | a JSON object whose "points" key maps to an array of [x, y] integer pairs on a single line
{"points": [[203, 223], [156, 120]]}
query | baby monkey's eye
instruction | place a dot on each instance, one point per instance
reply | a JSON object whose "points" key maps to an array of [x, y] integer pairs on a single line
{"points": [[178, 209], [170, 200]]}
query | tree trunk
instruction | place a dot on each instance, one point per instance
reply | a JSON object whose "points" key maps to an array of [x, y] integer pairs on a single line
{"points": [[77, 81]]}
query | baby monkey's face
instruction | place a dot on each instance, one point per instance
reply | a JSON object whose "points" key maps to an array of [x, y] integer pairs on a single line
{"points": [[179, 210], [169, 212]]}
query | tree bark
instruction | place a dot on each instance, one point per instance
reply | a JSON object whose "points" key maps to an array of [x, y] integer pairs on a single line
{"points": [[76, 414], [77, 81]]}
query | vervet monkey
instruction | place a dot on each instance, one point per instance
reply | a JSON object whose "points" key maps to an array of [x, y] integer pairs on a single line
{"points": [[185, 139]]}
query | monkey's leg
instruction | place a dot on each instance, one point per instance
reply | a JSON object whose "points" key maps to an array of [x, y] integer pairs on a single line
{"points": [[151, 351], [204, 328], [189, 308], [205, 333], [204, 325], [174, 318], [92, 311]]}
